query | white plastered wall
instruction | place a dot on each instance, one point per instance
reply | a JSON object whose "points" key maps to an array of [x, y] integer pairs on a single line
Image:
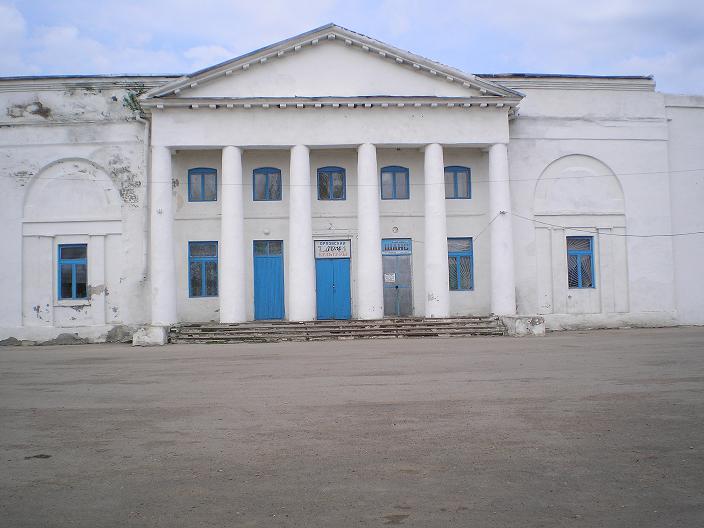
{"points": [[625, 131], [73, 171], [686, 163]]}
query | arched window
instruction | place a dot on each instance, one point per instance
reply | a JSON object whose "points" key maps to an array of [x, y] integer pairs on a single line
{"points": [[331, 183], [395, 183], [458, 183], [202, 184], [266, 184]]}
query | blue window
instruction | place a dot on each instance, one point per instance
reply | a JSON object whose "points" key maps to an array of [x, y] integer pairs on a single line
{"points": [[202, 185], [460, 260], [266, 184], [202, 269], [580, 262], [73, 271], [458, 183], [395, 183], [331, 183]]}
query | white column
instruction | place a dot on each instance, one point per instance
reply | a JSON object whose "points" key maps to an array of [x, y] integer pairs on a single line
{"points": [[370, 294], [437, 291], [503, 282], [231, 269], [161, 239], [300, 281]]}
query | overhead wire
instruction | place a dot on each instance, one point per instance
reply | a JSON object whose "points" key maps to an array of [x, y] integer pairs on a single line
{"points": [[418, 184]]}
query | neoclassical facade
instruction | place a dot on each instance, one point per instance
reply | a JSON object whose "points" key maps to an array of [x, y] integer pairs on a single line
{"points": [[332, 176]]}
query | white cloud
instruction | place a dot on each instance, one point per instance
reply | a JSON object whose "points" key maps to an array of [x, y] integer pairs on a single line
{"points": [[12, 35], [204, 56], [663, 37]]}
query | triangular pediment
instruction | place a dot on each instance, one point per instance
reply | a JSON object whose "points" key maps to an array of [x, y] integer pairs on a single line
{"points": [[329, 62]]}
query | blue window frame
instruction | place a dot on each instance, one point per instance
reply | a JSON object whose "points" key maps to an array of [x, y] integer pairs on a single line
{"points": [[73, 271], [202, 269], [268, 248], [332, 183], [460, 260], [266, 184], [395, 183], [580, 262], [202, 184], [458, 183]]}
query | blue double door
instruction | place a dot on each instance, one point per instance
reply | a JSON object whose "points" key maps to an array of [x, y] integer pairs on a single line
{"points": [[268, 279], [332, 284]]}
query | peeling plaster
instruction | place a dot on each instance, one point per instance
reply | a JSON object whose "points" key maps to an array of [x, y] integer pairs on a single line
{"points": [[97, 290], [127, 181], [34, 108]]}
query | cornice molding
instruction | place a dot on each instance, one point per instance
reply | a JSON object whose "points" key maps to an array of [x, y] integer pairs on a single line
{"points": [[44, 84], [362, 102], [578, 83]]}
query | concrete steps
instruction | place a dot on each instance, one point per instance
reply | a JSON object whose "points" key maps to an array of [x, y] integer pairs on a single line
{"points": [[274, 331]]}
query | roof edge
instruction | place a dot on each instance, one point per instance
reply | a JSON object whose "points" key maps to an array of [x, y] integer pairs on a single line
{"points": [[330, 31]]}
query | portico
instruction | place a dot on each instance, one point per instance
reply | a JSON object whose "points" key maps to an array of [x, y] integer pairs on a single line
{"points": [[363, 227], [242, 109]]}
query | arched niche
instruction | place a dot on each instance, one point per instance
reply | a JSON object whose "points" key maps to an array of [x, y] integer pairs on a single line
{"points": [[578, 185], [71, 189]]}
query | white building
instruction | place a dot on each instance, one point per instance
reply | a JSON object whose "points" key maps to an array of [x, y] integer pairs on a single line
{"points": [[333, 176]]}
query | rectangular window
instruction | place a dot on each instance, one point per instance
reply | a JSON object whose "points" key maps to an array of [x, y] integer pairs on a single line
{"points": [[202, 269], [395, 183], [202, 185], [268, 248], [580, 262], [331, 183], [73, 271], [458, 183], [267, 184], [460, 261]]}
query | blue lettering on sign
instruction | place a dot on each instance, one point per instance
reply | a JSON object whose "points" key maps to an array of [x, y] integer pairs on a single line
{"points": [[396, 246]]}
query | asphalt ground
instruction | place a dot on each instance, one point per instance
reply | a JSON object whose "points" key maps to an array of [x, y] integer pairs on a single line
{"points": [[578, 429]]}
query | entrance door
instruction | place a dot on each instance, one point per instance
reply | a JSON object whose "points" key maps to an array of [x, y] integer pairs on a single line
{"points": [[332, 279], [398, 286], [268, 279]]}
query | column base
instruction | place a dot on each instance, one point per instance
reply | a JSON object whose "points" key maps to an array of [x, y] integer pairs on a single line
{"points": [[523, 325], [151, 336]]}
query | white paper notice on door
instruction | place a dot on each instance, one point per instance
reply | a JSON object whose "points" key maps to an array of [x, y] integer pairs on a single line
{"points": [[389, 277]]}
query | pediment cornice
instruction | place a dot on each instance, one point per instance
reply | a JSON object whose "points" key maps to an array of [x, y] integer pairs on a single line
{"points": [[331, 32]]}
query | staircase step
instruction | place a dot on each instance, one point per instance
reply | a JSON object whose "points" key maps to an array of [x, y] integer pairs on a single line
{"points": [[274, 331]]}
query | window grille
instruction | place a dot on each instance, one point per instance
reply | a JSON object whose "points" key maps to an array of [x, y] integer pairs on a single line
{"points": [[580, 262], [460, 261], [202, 269], [331, 183], [266, 184]]}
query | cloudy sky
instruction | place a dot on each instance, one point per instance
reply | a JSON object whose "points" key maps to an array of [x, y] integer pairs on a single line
{"points": [[606, 37]]}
